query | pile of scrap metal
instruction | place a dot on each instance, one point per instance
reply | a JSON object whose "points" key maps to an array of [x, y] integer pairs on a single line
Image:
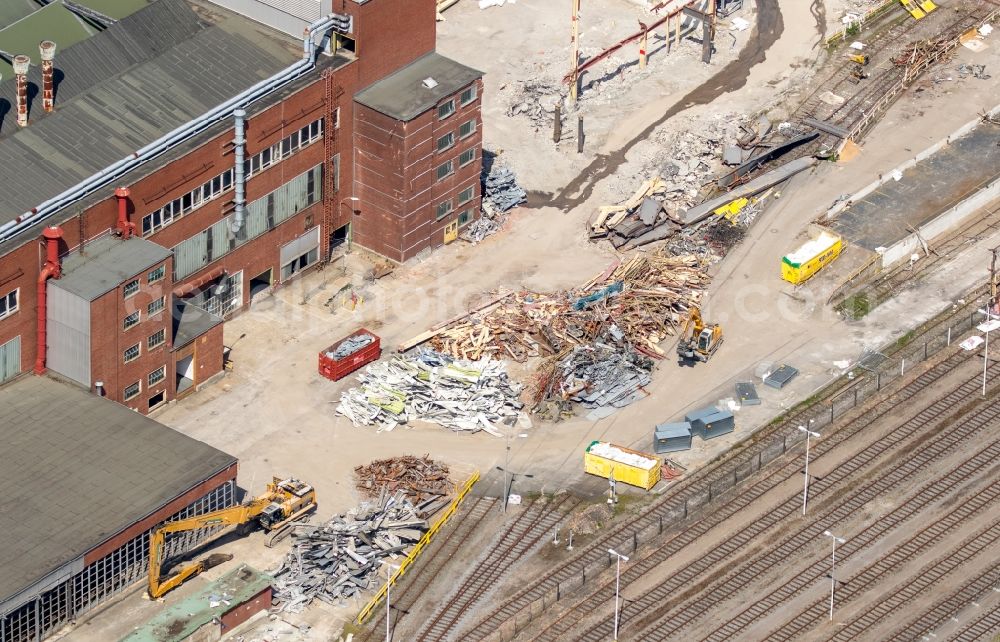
{"points": [[421, 479], [603, 374], [501, 193], [644, 298], [342, 558], [429, 386]]}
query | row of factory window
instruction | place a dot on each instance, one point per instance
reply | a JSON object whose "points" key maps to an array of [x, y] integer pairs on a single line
{"points": [[447, 168], [154, 308], [446, 207], [260, 215], [132, 391], [446, 109], [153, 341], [47, 612], [224, 182], [8, 303], [132, 287], [464, 131]]}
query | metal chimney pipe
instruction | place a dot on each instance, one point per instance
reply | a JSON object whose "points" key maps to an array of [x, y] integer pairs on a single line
{"points": [[239, 140], [21, 64], [125, 227], [52, 270], [47, 50]]}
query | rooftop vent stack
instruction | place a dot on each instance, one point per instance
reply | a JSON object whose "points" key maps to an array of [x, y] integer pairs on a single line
{"points": [[21, 64], [47, 50], [239, 142]]}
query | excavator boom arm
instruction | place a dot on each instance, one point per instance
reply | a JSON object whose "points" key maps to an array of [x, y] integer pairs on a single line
{"points": [[224, 517]]}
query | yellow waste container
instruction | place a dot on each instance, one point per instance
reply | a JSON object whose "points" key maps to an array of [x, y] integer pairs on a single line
{"points": [[628, 466], [806, 261]]}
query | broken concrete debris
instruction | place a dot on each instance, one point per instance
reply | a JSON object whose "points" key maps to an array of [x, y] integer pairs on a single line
{"points": [[459, 394], [501, 193], [342, 558]]}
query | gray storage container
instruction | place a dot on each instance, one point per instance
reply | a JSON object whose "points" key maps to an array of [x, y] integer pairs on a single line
{"points": [[672, 437]]}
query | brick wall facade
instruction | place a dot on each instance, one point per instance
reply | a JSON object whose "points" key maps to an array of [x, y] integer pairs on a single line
{"points": [[389, 35]]}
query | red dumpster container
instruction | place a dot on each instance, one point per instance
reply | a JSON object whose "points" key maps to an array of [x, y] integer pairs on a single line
{"points": [[335, 369]]}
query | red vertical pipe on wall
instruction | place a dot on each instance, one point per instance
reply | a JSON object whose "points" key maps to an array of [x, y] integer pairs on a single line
{"points": [[53, 270], [125, 228]]}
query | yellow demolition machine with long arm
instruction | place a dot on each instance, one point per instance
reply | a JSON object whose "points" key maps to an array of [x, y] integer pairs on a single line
{"points": [[285, 501], [698, 340]]}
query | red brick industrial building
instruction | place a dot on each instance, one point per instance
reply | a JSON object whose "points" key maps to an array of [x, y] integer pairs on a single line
{"points": [[358, 132]]}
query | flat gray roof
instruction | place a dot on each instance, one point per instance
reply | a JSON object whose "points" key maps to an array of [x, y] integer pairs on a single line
{"points": [[403, 95], [78, 469], [190, 322], [125, 87], [107, 263]]}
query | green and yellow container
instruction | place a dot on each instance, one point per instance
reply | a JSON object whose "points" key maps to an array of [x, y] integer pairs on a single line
{"points": [[628, 466], [809, 259]]}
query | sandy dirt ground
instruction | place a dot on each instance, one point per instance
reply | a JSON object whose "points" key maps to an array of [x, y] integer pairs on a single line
{"points": [[276, 413]]}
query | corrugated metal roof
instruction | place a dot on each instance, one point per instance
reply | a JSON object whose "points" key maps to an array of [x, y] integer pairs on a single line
{"points": [[26, 23], [403, 95], [124, 88], [107, 263], [77, 470]]}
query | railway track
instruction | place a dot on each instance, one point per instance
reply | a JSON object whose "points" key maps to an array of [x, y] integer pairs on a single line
{"points": [[988, 580], [923, 581], [520, 537], [407, 592], [913, 548], [929, 493], [672, 503], [747, 498], [668, 622], [986, 627]]}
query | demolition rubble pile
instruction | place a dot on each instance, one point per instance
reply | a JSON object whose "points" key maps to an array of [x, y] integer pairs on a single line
{"points": [[458, 394], [420, 479], [601, 374], [501, 193], [644, 298], [534, 99], [342, 558]]}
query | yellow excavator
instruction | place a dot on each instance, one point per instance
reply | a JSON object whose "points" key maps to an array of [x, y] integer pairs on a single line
{"points": [[285, 501], [698, 341]]}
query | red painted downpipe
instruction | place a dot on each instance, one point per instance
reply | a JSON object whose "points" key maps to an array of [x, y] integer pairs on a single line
{"points": [[53, 270], [125, 227]]}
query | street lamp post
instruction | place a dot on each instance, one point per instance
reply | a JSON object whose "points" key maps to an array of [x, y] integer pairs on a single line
{"points": [[506, 471], [388, 605], [833, 563], [805, 488], [618, 575]]}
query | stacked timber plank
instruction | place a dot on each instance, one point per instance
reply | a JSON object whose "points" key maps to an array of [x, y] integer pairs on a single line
{"points": [[645, 298], [343, 557], [463, 395], [419, 478]]}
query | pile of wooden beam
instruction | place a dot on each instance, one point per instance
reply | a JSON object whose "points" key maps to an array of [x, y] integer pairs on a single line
{"points": [[455, 393], [343, 557], [645, 298], [419, 478]]}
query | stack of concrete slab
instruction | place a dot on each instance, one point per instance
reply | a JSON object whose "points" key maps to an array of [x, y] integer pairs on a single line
{"points": [[710, 422], [672, 437]]}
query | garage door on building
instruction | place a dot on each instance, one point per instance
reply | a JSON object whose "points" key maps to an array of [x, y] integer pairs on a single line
{"points": [[10, 359], [300, 253]]}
